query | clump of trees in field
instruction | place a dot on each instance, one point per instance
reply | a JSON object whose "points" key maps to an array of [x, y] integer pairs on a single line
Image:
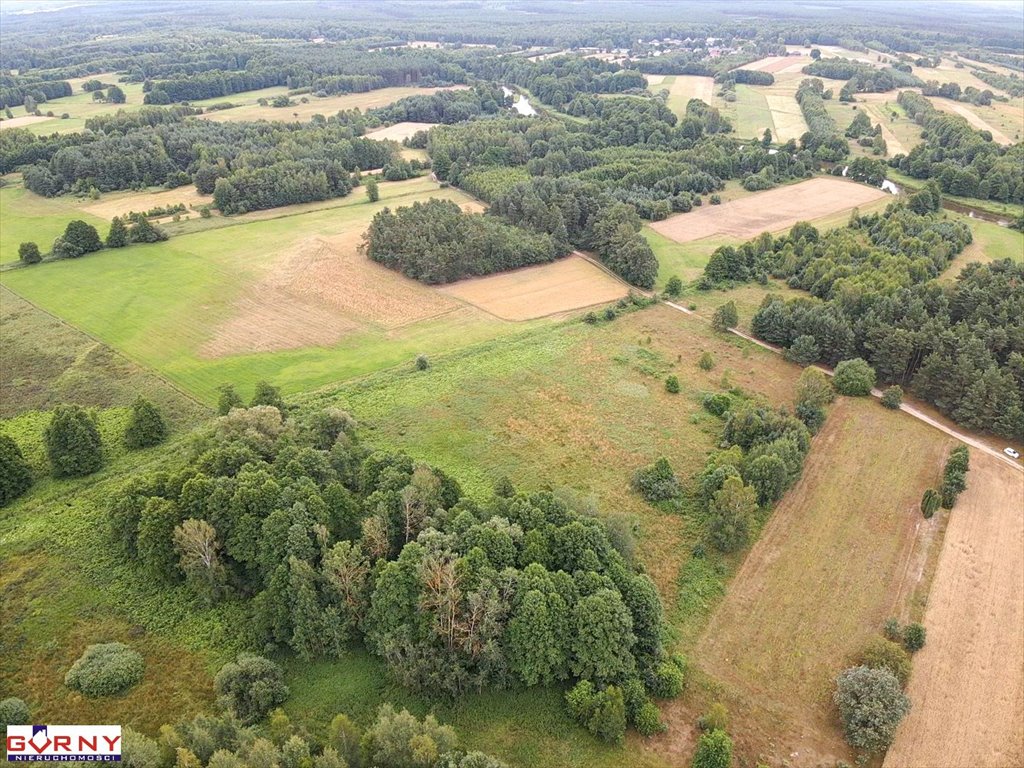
{"points": [[15, 471], [954, 476], [871, 706], [763, 455], [437, 242], [328, 542], [822, 137]]}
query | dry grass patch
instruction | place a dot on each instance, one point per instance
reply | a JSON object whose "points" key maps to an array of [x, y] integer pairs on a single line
{"points": [[22, 121], [318, 291], [968, 682], [972, 117], [399, 131], [121, 203], [682, 88], [771, 211], [835, 560], [524, 294]]}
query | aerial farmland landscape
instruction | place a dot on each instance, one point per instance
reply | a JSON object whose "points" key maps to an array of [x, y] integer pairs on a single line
{"points": [[512, 383]]}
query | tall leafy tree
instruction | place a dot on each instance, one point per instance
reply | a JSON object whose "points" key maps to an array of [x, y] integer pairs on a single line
{"points": [[73, 442]]}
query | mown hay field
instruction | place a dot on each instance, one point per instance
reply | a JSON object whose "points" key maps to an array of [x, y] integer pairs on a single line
{"points": [[845, 550]]}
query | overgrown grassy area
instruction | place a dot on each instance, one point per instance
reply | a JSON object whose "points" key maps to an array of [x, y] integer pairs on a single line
{"points": [[572, 407]]}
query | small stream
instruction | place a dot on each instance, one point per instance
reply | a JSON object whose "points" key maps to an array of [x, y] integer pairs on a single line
{"points": [[522, 104]]}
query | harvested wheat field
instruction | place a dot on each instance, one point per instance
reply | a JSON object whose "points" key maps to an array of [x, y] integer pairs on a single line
{"points": [[399, 131], [770, 211], [843, 551], [682, 88], [317, 292], [532, 292], [121, 203], [654, 79], [967, 686]]}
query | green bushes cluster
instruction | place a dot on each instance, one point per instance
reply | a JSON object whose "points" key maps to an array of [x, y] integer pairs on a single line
{"points": [[954, 476], [106, 669]]}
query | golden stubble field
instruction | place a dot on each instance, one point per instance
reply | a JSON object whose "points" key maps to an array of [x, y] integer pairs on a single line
{"points": [[769, 211], [967, 686]]}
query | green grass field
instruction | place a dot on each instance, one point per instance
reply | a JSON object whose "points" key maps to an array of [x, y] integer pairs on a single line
{"points": [[158, 304], [29, 217]]}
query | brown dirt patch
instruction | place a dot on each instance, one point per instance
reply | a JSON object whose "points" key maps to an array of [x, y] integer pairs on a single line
{"points": [[771, 211], [317, 292], [118, 203], [967, 687], [833, 562], [399, 131], [564, 285]]}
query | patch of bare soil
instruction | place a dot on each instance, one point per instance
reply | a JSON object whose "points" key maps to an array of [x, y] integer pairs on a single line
{"points": [[770, 211]]}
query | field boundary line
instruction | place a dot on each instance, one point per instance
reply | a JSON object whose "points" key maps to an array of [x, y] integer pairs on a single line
{"points": [[114, 350]]}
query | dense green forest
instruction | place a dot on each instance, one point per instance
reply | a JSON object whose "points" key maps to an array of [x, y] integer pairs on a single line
{"points": [[964, 160], [875, 296]]}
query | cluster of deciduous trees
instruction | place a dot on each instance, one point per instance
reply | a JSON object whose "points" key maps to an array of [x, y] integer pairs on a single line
{"points": [[963, 160], [956, 345], [444, 106], [1012, 83], [763, 456], [823, 137], [335, 543], [436, 242], [953, 91]]}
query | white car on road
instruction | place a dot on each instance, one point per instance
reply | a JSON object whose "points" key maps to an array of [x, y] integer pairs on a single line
{"points": [[1011, 453]]}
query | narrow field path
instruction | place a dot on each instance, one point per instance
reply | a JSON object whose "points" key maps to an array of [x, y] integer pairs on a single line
{"points": [[964, 437]]}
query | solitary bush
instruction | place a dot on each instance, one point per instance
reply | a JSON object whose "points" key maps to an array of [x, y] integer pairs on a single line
{"points": [[913, 637], [73, 442], [892, 630], [885, 654], [29, 253], [609, 313], [854, 378], [892, 397], [15, 472], [250, 687], [13, 712], [706, 361], [590, 318], [871, 705], [715, 199], [715, 719], [105, 669], [725, 317], [930, 503], [714, 750], [672, 385], [657, 481], [117, 237], [146, 426], [718, 404], [674, 287]]}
